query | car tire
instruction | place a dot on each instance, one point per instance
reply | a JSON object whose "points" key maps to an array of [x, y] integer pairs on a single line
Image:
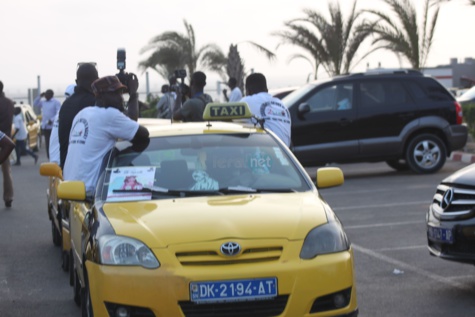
{"points": [[426, 153], [86, 304], [65, 261], [56, 235], [398, 165], [71, 268], [76, 289]]}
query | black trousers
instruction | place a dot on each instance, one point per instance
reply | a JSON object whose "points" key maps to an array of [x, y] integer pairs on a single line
{"points": [[47, 135]]}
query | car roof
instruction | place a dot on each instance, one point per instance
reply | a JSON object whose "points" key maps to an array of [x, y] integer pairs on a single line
{"points": [[194, 128]]}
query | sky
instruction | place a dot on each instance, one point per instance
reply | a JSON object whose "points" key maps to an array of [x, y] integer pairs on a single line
{"points": [[43, 40]]}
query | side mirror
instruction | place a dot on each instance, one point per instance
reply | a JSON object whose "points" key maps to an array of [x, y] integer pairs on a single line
{"points": [[329, 177], [51, 170], [303, 109], [72, 190]]}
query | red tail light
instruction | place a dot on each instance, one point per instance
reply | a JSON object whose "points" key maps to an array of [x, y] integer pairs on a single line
{"points": [[458, 113]]}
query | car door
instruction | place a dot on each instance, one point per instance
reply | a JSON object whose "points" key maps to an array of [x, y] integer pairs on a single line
{"points": [[385, 109], [323, 124]]}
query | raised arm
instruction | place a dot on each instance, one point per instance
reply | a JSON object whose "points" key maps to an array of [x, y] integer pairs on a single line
{"points": [[133, 102]]}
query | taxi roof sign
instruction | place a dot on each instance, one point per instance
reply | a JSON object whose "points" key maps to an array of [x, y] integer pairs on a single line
{"points": [[226, 111]]}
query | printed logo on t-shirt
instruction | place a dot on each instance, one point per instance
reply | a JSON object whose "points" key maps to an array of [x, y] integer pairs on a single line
{"points": [[274, 111], [79, 132]]}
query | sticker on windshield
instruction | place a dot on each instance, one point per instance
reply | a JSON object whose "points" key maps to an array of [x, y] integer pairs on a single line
{"points": [[280, 156], [130, 183], [259, 162]]}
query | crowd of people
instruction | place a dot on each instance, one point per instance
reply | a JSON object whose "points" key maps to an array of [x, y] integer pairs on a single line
{"points": [[84, 127]]}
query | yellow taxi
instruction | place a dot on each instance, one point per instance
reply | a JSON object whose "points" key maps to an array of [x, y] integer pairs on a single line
{"points": [[211, 218], [58, 209]]}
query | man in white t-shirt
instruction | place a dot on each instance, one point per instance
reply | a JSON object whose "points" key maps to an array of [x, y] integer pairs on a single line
{"points": [[236, 93], [54, 153], [95, 130], [20, 136], [264, 106]]}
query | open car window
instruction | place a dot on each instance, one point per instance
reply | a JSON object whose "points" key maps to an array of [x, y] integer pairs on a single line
{"points": [[207, 164]]}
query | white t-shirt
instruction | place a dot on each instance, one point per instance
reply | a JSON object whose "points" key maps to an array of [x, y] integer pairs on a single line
{"points": [[235, 95], [276, 115], [54, 155], [20, 125], [93, 133]]}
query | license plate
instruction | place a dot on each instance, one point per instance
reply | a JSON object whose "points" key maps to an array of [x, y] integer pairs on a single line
{"points": [[440, 234], [233, 290]]}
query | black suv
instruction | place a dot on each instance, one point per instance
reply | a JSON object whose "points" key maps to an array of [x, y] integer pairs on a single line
{"points": [[402, 117]]}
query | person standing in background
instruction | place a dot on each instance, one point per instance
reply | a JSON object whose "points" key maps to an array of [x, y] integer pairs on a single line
{"points": [[20, 136], [192, 109], [6, 121], [264, 106], [54, 139], [6, 147], [236, 93], [49, 108], [165, 103], [83, 97]]}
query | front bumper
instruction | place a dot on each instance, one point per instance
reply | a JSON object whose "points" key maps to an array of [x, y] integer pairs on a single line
{"points": [[304, 286], [462, 249]]}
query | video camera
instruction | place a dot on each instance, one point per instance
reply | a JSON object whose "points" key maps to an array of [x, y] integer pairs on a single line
{"points": [[174, 84], [122, 75], [180, 73]]}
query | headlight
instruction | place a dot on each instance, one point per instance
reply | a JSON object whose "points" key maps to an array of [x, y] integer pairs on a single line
{"points": [[327, 238], [119, 250]]}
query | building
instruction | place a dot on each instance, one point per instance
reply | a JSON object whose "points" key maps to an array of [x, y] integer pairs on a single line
{"points": [[455, 74]]}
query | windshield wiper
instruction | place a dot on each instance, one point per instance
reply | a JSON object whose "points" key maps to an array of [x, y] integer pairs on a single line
{"points": [[162, 191]]}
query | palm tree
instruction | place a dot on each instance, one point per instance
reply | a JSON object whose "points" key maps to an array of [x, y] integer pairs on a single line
{"points": [[235, 67], [404, 35], [332, 44], [173, 50]]}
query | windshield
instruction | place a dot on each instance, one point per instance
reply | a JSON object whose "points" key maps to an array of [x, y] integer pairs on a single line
{"points": [[207, 164], [297, 94]]}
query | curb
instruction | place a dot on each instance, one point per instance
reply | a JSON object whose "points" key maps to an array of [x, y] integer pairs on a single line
{"points": [[462, 157]]}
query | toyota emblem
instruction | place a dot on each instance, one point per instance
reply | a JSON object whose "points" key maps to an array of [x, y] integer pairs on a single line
{"points": [[447, 199], [230, 248]]}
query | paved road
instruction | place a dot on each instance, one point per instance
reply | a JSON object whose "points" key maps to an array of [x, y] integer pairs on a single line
{"points": [[383, 213]]}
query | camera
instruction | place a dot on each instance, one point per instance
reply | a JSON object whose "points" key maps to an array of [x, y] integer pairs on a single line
{"points": [[122, 75], [180, 73]]}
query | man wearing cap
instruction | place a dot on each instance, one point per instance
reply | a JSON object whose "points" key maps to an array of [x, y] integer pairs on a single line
{"points": [[192, 109], [49, 108], [95, 130]]}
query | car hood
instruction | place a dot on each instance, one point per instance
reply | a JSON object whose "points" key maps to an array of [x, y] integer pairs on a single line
{"points": [[161, 223], [464, 176]]}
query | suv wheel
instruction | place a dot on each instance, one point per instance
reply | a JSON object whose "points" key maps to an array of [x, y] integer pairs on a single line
{"points": [[426, 153]]}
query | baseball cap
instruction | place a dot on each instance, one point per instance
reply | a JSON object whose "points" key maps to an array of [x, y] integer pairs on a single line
{"points": [[107, 84]]}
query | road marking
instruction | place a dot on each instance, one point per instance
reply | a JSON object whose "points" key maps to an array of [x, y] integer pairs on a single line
{"points": [[408, 267], [384, 205], [409, 247], [386, 224]]}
